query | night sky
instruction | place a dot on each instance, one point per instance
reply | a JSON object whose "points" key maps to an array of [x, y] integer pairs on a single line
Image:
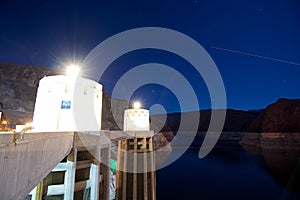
{"points": [[255, 44]]}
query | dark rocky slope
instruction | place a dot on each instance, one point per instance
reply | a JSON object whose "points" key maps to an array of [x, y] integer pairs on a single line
{"points": [[281, 116], [277, 127], [18, 85], [236, 120]]}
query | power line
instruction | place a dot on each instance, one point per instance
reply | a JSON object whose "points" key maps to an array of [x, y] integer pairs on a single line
{"points": [[255, 55]]}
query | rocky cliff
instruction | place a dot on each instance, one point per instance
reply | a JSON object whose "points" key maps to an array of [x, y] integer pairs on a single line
{"points": [[18, 85], [277, 127], [281, 116]]}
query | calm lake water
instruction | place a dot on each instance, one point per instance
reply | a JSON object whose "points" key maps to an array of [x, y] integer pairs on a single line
{"points": [[229, 173]]}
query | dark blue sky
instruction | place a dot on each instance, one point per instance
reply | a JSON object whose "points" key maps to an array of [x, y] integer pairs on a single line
{"points": [[45, 33]]}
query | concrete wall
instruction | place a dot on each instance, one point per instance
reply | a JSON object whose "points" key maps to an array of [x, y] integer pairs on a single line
{"points": [[25, 159]]}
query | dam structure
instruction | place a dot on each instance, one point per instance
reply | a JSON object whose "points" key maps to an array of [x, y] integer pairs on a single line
{"points": [[136, 162], [66, 154]]}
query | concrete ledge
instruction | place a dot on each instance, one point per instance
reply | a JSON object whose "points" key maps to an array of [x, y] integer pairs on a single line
{"points": [[27, 158]]}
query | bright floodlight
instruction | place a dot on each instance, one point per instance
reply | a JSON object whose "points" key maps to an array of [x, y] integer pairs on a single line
{"points": [[73, 70], [136, 105]]}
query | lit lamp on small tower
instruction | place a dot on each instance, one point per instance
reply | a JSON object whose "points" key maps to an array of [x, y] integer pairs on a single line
{"points": [[136, 164], [136, 119]]}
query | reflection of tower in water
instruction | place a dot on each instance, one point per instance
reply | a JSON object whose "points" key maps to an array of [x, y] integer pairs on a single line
{"points": [[136, 164]]}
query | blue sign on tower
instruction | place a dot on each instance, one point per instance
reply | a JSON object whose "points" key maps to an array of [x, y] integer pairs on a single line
{"points": [[65, 104]]}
